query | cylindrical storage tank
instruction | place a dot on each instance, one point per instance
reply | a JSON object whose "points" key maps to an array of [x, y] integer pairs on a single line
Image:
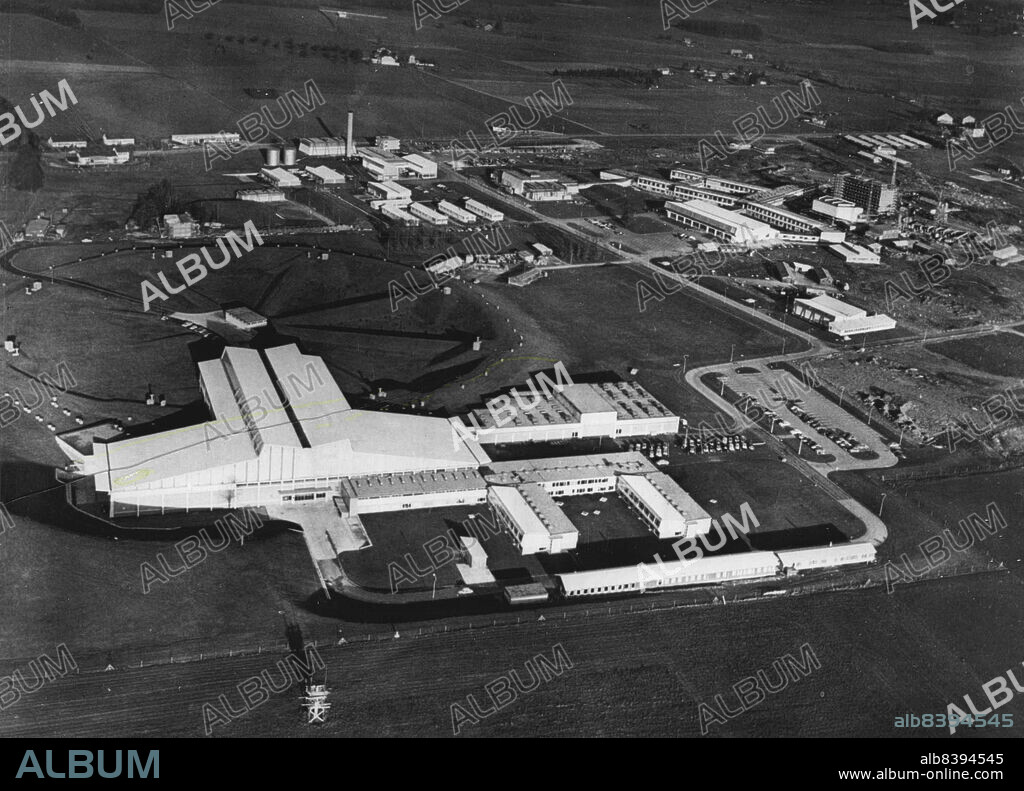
{"points": [[272, 156], [290, 155]]}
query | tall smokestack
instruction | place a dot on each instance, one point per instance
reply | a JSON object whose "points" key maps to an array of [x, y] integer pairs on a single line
{"points": [[350, 149]]}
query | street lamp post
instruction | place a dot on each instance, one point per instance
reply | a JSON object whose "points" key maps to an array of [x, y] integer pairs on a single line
{"points": [[841, 391], [881, 505], [685, 358], [732, 350]]}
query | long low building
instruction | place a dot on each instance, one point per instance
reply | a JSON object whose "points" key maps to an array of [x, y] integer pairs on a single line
{"points": [[260, 195], [714, 182], [779, 217], [837, 209], [424, 212], [714, 570], [841, 318], [206, 137], [482, 210], [322, 146], [456, 213], [567, 411], [420, 166], [389, 191], [280, 177], [854, 253], [395, 212], [322, 174], [729, 226]]}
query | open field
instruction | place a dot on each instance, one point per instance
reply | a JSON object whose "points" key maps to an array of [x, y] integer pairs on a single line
{"points": [[998, 354]]}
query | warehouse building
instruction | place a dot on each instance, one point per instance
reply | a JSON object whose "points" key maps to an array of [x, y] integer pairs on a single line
{"points": [[206, 137], [456, 213], [426, 213], [484, 211], [118, 141], [420, 167], [322, 174], [280, 431], [837, 209], [245, 319], [567, 411], [387, 143], [366, 494], [729, 226], [280, 177], [532, 519], [854, 253], [260, 195], [322, 146], [840, 318], [65, 145], [389, 191]]}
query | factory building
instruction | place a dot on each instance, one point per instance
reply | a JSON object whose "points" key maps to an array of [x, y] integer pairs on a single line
{"points": [[245, 319], [713, 182], [837, 209], [322, 174], [206, 137], [389, 191], [712, 570], [778, 217], [397, 213], [280, 177], [653, 184], [96, 160], [180, 226], [426, 213], [567, 411], [855, 253], [280, 431], [420, 167], [840, 318], [382, 165], [721, 223], [65, 145], [870, 194], [118, 141], [529, 515], [534, 187], [663, 506], [368, 494], [322, 146], [387, 143], [484, 211], [685, 192], [260, 195], [456, 213]]}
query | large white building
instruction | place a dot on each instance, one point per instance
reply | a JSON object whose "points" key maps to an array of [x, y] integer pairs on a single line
{"points": [[663, 506], [428, 214], [841, 318], [533, 520], [729, 226], [322, 146], [206, 137], [322, 174], [280, 431], [382, 165], [854, 253], [567, 411], [837, 209], [280, 177], [420, 167], [389, 191]]}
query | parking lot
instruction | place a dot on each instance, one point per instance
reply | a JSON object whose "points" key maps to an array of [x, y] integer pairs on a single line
{"points": [[814, 421]]}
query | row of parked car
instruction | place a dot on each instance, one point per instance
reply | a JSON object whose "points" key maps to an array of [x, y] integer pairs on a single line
{"points": [[656, 450], [844, 439], [716, 443]]}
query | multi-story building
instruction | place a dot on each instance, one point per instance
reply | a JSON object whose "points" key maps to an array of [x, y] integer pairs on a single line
{"points": [[870, 194], [779, 217]]}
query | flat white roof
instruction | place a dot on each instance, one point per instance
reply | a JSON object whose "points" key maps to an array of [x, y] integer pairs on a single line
{"points": [[512, 500], [715, 212], [832, 306], [554, 521], [325, 172]]}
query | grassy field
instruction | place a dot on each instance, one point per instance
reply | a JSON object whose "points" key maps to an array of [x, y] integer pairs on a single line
{"points": [[994, 354]]}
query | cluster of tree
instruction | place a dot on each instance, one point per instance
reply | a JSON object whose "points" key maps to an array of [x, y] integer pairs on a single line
{"points": [[721, 28], [645, 78], [52, 12], [160, 199], [303, 48]]}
